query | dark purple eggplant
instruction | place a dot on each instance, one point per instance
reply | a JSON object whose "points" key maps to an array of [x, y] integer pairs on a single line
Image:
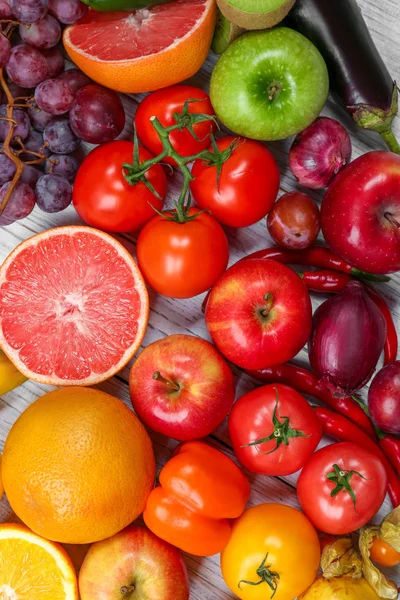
{"points": [[359, 78]]}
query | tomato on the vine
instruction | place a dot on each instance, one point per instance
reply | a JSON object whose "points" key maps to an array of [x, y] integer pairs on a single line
{"points": [[383, 554], [245, 189], [273, 551], [274, 431], [104, 199], [163, 104], [342, 487], [181, 260]]}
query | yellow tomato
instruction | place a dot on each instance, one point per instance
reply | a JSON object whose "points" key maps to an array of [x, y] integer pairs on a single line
{"points": [[273, 551]]}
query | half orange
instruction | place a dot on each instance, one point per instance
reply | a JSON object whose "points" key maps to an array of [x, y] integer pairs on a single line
{"points": [[73, 306], [32, 568], [144, 50]]}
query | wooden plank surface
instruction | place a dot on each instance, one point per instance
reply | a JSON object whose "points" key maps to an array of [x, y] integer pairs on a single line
{"points": [[173, 316]]}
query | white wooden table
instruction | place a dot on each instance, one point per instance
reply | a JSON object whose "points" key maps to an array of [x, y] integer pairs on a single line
{"points": [[173, 316]]}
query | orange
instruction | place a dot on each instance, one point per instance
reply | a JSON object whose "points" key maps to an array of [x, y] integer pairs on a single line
{"points": [[78, 466], [32, 568], [144, 50], [1, 480], [73, 306]]}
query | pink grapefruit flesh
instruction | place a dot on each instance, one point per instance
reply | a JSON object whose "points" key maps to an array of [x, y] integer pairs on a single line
{"points": [[73, 306]]}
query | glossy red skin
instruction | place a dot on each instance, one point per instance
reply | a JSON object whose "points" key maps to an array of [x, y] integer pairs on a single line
{"points": [[135, 555], [104, 199], [233, 314], [294, 221], [247, 187], [352, 213], [163, 104], [206, 394], [251, 420], [182, 260], [337, 515], [384, 399]]}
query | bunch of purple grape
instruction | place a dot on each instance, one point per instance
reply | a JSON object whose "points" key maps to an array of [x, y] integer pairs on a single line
{"points": [[53, 109]]}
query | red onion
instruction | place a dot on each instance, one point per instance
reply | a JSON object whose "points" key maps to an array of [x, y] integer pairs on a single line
{"points": [[349, 334], [319, 152], [384, 399]]}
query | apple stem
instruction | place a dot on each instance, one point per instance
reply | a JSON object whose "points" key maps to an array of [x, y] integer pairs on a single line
{"points": [[391, 219], [170, 384], [127, 589], [273, 90], [269, 299]]}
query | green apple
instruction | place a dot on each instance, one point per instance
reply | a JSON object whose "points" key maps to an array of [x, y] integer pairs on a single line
{"points": [[269, 85]]}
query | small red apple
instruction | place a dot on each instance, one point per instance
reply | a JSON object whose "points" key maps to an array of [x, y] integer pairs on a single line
{"points": [[360, 213], [259, 314], [181, 387], [133, 564]]}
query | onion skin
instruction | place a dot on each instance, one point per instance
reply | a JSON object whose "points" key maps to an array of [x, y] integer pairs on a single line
{"points": [[340, 588], [349, 333], [319, 152]]}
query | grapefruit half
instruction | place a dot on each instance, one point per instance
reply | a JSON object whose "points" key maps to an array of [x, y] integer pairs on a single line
{"points": [[73, 306], [143, 50]]}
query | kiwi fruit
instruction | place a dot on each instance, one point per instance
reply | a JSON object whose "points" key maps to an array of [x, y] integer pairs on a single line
{"points": [[225, 33], [255, 14]]}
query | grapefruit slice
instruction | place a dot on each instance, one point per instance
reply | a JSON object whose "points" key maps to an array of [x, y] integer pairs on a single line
{"points": [[32, 568], [144, 50], [73, 306]]}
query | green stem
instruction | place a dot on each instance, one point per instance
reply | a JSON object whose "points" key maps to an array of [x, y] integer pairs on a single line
{"points": [[174, 387], [391, 141], [369, 276]]}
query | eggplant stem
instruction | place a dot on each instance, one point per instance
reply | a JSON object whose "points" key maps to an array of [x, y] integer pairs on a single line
{"points": [[391, 141]]}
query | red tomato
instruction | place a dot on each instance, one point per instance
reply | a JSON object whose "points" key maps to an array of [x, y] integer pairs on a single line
{"points": [[247, 187], [181, 260], [359, 473], [163, 104], [280, 413], [104, 199]]}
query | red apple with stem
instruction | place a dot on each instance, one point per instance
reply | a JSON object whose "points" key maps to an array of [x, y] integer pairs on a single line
{"points": [[360, 213], [259, 314], [133, 565], [181, 387]]}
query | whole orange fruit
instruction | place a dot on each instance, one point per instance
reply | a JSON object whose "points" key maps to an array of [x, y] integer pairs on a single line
{"points": [[78, 466]]}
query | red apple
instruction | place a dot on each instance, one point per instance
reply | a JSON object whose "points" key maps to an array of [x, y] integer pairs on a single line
{"points": [[134, 564], [384, 399], [259, 314], [182, 387], [361, 213]]}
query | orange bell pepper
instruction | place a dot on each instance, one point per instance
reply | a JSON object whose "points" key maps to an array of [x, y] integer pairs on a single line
{"points": [[200, 489]]}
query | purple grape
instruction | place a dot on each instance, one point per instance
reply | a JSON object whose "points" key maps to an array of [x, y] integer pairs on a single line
{"points": [[5, 50], [29, 11], [97, 115], [7, 169], [54, 96], [35, 143], [30, 175], [21, 202], [44, 34], [4, 222], [62, 164], [5, 10], [18, 91], [60, 138], [53, 193], [39, 118], [68, 11], [22, 128], [75, 78], [55, 61], [26, 66]]}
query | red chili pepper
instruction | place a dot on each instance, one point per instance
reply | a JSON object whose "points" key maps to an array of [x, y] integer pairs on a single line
{"points": [[329, 281], [342, 429], [325, 281], [306, 382], [314, 256], [390, 446]]}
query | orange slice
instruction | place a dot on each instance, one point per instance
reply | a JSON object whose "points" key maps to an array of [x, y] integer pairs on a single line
{"points": [[144, 50], [32, 568]]}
